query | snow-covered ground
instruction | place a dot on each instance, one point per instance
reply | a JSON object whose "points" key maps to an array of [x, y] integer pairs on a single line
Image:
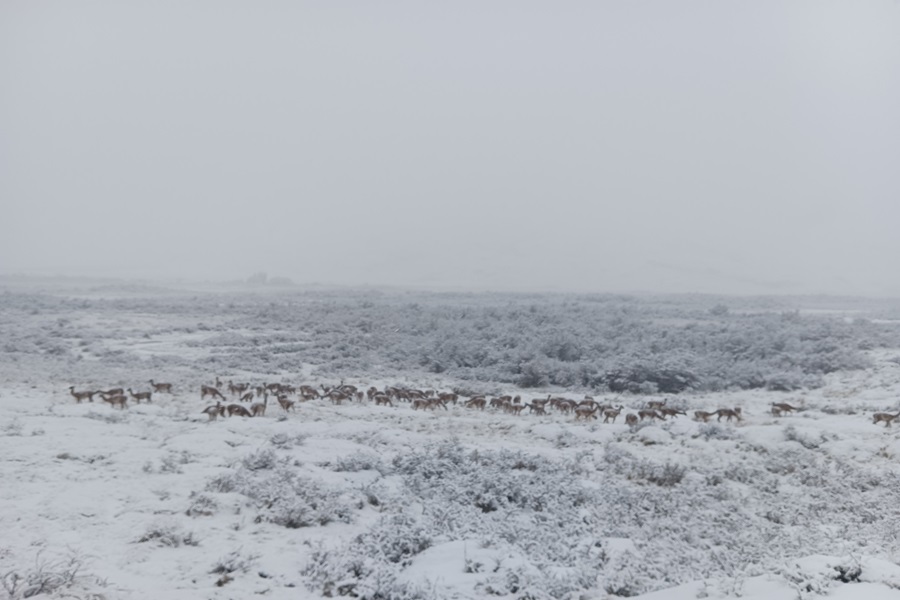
{"points": [[155, 501]]}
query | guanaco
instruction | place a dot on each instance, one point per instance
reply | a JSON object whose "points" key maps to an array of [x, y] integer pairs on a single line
{"points": [[584, 413], [631, 419], [117, 400], [702, 415], [383, 400], [590, 403], [285, 403], [208, 390], [611, 413], [781, 407], [348, 389], [258, 409], [448, 397], [657, 404], [886, 417], [476, 402], [337, 397], [79, 396], [537, 407], [248, 397], [161, 387], [308, 392], [564, 405], [237, 409], [513, 409], [650, 414], [141, 396], [237, 388], [729, 413], [499, 401], [214, 411], [671, 412]]}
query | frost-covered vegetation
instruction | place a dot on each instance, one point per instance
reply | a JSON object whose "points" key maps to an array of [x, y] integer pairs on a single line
{"points": [[367, 501], [562, 521], [641, 344]]}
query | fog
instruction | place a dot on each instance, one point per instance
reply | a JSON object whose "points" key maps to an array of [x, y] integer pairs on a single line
{"points": [[687, 146]]}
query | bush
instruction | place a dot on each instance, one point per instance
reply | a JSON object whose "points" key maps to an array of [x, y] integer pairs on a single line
{"points": [[168, 535], [716, 431], [260, 460], [533, 506], [45, 577], [234, 561], [360, 461], [806, 440], [281, 496], [202, 505]]}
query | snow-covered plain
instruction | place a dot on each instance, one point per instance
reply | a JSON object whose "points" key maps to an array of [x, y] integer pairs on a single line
{"points": [[370, 501]]}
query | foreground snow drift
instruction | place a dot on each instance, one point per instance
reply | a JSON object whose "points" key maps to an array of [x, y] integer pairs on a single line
{"points": [[376, 501]]}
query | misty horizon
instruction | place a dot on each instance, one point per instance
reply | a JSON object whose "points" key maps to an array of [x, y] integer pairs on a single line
{"points": [[689, 148]]}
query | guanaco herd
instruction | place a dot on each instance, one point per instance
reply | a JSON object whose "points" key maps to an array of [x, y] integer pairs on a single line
{"points": [[584, 410], [116, 396]]}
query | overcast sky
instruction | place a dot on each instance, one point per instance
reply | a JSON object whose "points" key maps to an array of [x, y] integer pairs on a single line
{"points": [[717, 146]]}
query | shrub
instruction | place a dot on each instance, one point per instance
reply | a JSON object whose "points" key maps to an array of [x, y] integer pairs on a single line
{"points": [[168, 535], [370, 564], [281, 496], [260, 460], [531, 505], [45, 577], [202, 505], [360, 461], [716, 431], [234, 561], [804, 439]]}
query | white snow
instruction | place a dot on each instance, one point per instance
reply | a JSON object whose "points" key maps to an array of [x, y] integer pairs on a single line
{"points": [[88, 482]]}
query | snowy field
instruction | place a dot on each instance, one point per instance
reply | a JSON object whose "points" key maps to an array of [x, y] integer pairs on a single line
{"points": [[362, 500]]}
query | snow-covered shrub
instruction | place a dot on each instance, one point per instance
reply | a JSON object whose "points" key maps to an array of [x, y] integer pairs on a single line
{"points": [[283, 440], [789, 382], [808, 441], [629, 343], [44, 576], [234, 561], [533, 506], [716, 431], [108, 417], [168, 535], [815, 576], [283, 497], [368, 566], [13, 428], [202, 505], [665, 475], [719, 310], [636, 469], [360, 461], [357, 572], [260, 460], [173, 461]]}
